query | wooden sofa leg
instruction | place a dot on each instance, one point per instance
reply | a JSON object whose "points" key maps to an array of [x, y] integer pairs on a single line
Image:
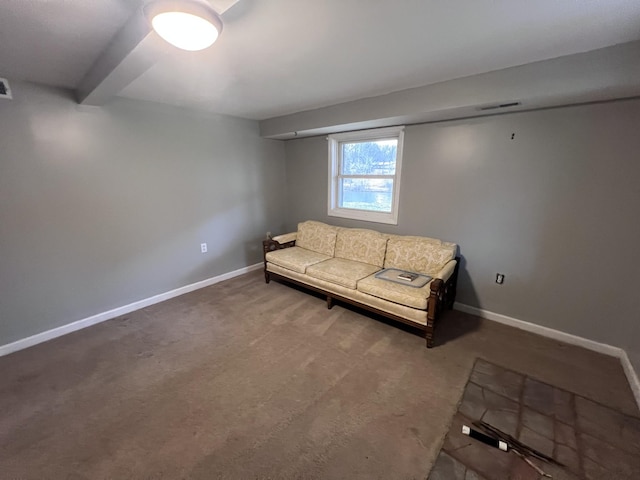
{"points": [[267, 277], [329, 302], [433, 308], [429, 338]]}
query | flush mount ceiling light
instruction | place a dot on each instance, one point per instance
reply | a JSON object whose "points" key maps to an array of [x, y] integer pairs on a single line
{"points": [[187, 24]]}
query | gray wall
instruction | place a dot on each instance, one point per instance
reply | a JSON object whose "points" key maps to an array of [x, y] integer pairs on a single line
{"points": [[101, 207], [556, 210]]}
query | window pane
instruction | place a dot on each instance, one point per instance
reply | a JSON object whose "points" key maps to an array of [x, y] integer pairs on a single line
{"points": [[366, 194], [369, 158]]}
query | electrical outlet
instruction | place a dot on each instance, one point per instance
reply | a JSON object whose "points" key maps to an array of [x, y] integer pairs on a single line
{"points": [[203, 247], [499, 278]]}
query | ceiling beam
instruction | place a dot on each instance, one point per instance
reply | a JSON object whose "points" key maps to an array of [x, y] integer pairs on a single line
{"points": [[599, 75], [221, 6], [131, 52]]}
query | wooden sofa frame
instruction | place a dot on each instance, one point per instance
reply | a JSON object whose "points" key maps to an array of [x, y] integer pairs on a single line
{"points": [[442, 294]]}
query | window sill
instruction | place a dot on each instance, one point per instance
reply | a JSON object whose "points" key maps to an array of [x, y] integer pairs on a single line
{"points": [[366, 216]]}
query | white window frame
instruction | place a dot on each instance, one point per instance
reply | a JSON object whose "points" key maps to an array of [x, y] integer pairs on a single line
{"points": [[335, 159]]}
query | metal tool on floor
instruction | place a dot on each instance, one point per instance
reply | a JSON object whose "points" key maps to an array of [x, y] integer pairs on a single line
{"points": [[494, 442], [497, 438], [532, 465]]}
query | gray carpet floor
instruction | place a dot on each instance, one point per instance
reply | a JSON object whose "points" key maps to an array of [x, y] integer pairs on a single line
{"points": [[244, 380]]}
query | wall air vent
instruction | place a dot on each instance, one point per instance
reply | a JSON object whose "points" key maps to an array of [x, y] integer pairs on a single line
{"points": [[5, 90], [498, 106]]}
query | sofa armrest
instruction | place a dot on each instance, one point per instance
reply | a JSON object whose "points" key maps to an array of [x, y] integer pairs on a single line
{"points": [[277, 243], [442, 293], [447, 270], [286, 238]]}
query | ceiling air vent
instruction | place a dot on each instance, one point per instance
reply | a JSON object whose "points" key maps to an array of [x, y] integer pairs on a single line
{"points": [[5, 90], [498, 106]]}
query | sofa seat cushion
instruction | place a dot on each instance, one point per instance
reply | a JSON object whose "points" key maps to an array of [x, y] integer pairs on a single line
{"points": [[418, 254], [396, 292], [411, 314], [361, 245], [295, 258], [341, 271], [317, 236]]}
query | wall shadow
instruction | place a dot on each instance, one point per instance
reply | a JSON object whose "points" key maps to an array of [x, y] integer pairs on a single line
{"points": [[454, 324]]}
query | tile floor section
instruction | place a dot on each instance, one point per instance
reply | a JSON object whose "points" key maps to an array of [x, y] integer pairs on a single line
{"points": [[591, 440]]}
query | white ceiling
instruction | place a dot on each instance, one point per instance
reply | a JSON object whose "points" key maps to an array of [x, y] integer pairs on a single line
{"points": [[276, 57]]}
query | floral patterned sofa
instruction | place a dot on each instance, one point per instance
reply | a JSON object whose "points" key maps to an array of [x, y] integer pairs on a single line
{"points": [[342, 264]]}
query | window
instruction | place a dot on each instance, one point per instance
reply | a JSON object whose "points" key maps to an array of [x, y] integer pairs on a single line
{"points": [[364, 174]]}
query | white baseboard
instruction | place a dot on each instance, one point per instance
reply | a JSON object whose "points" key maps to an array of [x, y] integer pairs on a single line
{"points": [[604, 348], [540, 330], [632, 376], [116, 312]]}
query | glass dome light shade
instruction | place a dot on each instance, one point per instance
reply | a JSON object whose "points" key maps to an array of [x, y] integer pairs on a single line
{"points": [[189, 25]]}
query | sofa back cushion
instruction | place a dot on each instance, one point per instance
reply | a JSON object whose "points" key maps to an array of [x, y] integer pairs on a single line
{"points": [[418, 254], [317, 236], [361, 245]]}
